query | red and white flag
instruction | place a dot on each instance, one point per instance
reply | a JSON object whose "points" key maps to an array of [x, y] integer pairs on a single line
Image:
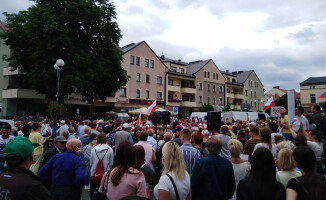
{"points": [[151, 109], [139, 120], [270, 103]]}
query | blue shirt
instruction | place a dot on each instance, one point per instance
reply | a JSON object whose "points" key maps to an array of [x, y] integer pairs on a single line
{"points": [[191, 155], [64, 169], [213, 178]]}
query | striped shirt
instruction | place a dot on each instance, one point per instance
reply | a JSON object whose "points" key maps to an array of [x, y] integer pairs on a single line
{"points": [[191, 155], [250, 146]]}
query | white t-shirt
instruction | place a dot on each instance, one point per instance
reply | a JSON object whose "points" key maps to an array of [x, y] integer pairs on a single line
{"points": [[273, 150], [183, 186], [5, 141], [284, 176], [273, 135], [316, 148]]}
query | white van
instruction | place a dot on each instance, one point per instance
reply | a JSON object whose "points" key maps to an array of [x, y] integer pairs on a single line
{"points": [[200, 115]]}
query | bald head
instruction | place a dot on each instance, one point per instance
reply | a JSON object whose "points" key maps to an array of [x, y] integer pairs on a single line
{"points": [[167, 136], [73, 144]]}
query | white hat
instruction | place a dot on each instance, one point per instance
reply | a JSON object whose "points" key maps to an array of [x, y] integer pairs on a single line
{"points": [[125, 125], [252, 123], [62, 122], [100, 121]]}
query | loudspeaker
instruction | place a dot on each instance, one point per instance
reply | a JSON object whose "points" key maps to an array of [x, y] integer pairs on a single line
{"points": [[213, 121], [161, 116]]}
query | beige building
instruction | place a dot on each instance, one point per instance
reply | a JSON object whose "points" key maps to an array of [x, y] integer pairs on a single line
{"points": [[146, 79], [276, 92], [234, 91], [311, 91], [253, 89]]}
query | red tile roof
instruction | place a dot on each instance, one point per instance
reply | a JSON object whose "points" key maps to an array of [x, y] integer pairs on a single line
{"points": [[3, 26]]}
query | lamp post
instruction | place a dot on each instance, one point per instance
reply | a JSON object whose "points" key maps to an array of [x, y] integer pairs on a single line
{"points": [[58, 66]]}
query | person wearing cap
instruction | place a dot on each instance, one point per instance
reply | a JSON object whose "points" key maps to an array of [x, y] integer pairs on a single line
{"points": [[177, 133], [63, 126], [36, 137], [18, 182], [59, 147], [123, 135], [65, 172]]}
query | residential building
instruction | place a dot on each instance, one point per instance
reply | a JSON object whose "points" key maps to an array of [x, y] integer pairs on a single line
{"points": [[210, 83], [276, 92], [147, 79], [234, 91], [311, 91], [180, 86], [253, 89]]}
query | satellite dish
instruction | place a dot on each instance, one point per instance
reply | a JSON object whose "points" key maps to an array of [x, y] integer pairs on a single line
{"points": [[245, 107], [218, 108]]}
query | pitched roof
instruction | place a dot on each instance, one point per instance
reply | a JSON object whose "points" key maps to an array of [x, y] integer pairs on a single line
{"points": [[3, 26], [179, 62], [242, 76], [314, 80], [128, 47], [195, 66]]}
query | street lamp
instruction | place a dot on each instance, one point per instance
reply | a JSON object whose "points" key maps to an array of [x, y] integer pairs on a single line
{"points": [[58, 66]]}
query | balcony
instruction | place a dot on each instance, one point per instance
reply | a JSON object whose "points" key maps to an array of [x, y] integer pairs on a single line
{"points": [[173, 88], [234, 96], [188, 104], [7, 72], [189, 90], [21, 94]]}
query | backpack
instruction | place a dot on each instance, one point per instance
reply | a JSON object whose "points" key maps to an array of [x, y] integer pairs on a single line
{"points": [[99, 170]]}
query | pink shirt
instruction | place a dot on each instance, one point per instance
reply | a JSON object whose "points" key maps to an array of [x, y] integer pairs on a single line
{"points": [[148, 152], [131, 184]]}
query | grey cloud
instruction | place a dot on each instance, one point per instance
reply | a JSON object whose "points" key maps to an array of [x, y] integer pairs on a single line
{"points": [[132, 10], [304, 36]]}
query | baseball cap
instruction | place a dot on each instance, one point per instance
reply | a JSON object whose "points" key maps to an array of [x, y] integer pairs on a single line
{"points": [[20, 146], [62, 121], [100, 121], [125, 125], [60, 139]]}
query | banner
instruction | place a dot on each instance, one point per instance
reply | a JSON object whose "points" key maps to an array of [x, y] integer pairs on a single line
{"points": [[276, 111], [291, 105]]}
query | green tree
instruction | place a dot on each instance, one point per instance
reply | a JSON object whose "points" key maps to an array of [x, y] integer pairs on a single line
{"points": [[83, 33], [206, 107]]}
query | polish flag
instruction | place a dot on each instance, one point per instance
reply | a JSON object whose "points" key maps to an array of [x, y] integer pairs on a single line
{"points": [[270, 103], [151, 109], [139, 120]]}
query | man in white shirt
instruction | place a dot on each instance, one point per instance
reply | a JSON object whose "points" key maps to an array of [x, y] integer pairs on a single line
{"points": [[4, 139], [300, 118]]}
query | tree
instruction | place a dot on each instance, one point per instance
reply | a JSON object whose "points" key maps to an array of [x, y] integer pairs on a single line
{"points": [[83, 33], [206, 107]]}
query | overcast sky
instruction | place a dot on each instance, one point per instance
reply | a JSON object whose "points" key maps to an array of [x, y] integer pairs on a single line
{"points": [[283, 41]]}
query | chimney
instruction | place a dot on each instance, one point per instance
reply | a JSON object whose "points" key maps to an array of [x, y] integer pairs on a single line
{"points": [[163, 57], [277, 87], [179, 61], [227, 71]]}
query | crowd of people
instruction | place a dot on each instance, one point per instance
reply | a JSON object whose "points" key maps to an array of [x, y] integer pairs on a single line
{"points": [[271, 159]]}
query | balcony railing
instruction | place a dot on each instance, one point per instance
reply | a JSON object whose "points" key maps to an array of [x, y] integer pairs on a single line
{"points": [[174, 100]]}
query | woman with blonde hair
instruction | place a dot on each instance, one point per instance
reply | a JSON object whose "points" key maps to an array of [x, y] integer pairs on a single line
{"points": [[286, 166], [175, 181], [241, 168]]}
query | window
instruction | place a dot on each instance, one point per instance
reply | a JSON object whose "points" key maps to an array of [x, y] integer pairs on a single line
{"points": [[200, 86], [138, 77], [220, 101], [152, 63], [200, 99], [213, 75], [170, 82], [173, 69], [137, 93], [147, 94], [251, 103], [138, 61], [182, 70], [312, 87], [132, 60], [216, 77], [233, 80], [205, 74], [255, 104], [185, 98], [312, 98], [214, 88], [220, 89], [122, 92], [208, 87], [214, 100], [159, 79], [147, 78], [208, 100], [251, 93], [246, 92], [158, 95], [146, 63], [255, 94]]}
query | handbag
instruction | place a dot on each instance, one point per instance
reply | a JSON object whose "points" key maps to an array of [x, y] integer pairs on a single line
{"points": [[104, 185], [175, 188]]}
